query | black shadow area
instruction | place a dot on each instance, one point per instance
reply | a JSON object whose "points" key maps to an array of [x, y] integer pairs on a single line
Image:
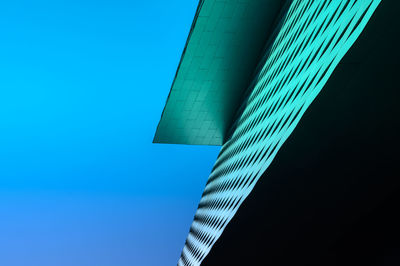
{"points": [[332, 194]]}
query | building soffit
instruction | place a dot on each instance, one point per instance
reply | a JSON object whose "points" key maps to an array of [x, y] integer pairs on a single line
{"points": [[222, 50]]}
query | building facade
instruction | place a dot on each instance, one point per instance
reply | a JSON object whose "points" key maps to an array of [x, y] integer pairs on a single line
{"points": [[249, 73]]}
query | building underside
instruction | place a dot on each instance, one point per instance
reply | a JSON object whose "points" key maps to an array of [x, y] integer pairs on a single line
{"points": [[222, 51], [308, 171]]}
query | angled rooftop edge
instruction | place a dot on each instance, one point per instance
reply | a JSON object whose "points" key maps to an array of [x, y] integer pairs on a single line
{"points": [[221, 53]]}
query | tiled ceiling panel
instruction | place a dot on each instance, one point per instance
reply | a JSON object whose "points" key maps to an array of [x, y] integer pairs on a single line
{"points": [[221, 53]]}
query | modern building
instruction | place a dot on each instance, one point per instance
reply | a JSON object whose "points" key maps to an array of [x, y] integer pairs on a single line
{"points": [[303, 98]]}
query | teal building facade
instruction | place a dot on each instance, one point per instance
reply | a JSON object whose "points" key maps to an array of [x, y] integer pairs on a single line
{"points": [[249, 73]]}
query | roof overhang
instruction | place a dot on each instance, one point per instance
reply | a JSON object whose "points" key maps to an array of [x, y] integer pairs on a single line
{"points": [[224, 46]]}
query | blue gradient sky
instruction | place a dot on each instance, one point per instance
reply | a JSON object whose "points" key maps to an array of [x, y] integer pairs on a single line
{"points": [[82, 87]]}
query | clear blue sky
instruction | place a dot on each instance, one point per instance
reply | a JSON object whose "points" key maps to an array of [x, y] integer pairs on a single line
{"points": [[82, 87]]}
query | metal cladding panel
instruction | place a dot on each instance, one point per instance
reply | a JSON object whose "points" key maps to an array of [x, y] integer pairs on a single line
{"points": [[223, 48], [313, 38]]}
